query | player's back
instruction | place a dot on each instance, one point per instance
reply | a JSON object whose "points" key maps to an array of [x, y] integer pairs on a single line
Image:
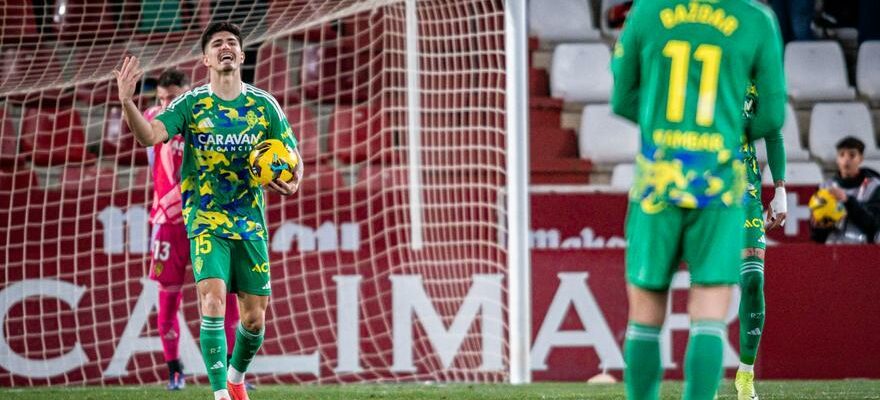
{"points": [[693, 60], [697, 57]]}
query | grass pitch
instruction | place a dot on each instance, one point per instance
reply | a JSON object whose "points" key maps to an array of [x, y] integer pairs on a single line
{"points": [[768, 390]]}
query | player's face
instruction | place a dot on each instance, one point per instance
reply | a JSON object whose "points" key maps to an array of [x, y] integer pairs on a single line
{"points": [[168, 93], [223, 52], [848, 162]]}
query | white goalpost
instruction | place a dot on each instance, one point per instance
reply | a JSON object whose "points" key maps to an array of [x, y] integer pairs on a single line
{"points": [[404, 257]]}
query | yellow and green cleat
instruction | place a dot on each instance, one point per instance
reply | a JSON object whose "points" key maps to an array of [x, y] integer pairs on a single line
{"points": [[745, 386]]}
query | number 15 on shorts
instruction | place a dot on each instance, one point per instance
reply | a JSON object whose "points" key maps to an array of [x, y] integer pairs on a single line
{"points": [[203, 245]]}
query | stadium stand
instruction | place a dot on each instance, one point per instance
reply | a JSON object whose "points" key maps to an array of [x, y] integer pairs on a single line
{"points": [[9, 153], [607, 28], [622, 176], [16, 179], [75, 20], [87, 179], [556, 159], [605, 138], [54, 136], [272, 73], [580, 73], [19, 25], [118, 143], [794, 148], [304, 123], [353, 134], [797, 173], [816, 71], [872, 164], [868, 71], [831, 122], [562, 21]]}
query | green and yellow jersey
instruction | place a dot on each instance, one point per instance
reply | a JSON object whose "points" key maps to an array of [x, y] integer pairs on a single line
{"points": [[680, 67], [775, 149], [219, 196]]}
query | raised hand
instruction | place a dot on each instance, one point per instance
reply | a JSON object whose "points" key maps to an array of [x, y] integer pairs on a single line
{"points": [[127, 78]]}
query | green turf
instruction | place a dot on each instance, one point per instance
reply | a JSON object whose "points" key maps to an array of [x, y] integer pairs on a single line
{"points": [[768, 390]]}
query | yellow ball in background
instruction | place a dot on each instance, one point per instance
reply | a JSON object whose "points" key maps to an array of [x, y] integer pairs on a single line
{"points": [[270, 160], [824, 206]]}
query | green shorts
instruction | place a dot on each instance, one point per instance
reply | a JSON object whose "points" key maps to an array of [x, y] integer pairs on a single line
{"points": [[709, 240], [242, 264], [754, 225]]}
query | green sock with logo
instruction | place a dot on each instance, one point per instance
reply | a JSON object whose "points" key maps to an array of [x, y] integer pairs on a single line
{"points": [[212, 337], [247, 344], [751, 308]]}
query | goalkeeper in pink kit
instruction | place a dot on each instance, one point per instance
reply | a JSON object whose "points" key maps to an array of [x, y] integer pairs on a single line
{"points": [[170, 245]]}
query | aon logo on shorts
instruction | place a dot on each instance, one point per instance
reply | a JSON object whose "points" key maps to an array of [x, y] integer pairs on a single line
{"points": [[264, 268]]}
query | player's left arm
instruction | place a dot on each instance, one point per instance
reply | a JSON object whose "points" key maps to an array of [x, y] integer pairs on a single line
{"points": [[279, 128], [777, 210]]}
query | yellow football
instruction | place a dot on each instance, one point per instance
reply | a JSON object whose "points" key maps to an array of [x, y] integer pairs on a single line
{"points": [[270, 160], [824, 206]]}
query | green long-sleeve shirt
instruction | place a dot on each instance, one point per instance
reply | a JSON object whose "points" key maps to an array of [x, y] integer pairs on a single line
{"points": [[774, 143], [680, 67]]}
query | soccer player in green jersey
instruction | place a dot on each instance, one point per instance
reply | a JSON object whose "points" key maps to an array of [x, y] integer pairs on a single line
{"points": [[680, 67], [751, 278], [223, 207]]}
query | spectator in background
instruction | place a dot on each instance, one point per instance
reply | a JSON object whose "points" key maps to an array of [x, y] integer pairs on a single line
{"points": [[857, 188], [869, 20], [795, 17]]}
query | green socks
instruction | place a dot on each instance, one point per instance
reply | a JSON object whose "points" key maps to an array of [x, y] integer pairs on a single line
{"points": [[703, 360], [641, 352], [212, 337], [751, 308], [247, 344]]}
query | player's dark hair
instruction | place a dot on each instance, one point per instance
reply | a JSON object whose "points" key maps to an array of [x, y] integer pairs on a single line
{"points": [[224, 26], [850, 142], [172, 77]]}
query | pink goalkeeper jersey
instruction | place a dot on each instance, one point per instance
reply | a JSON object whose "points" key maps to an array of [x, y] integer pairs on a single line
{"points": [[166, 161]]}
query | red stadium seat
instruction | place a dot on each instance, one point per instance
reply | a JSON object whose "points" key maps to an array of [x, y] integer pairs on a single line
{"points": [[282, 12], [539, 83], [382, 177], [194, 16], [118, 142], [53, 136], [321, 178], [346, 71], [24, 69], [366, 26], [17, 23], [78, 20], [12, 180], [305, 128], [141, 178], [198, 72], [357, 134], [272, 74], [87, 179], [9, 152]]}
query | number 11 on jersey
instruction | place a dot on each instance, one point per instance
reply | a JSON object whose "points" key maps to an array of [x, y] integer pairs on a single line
{"points": [[680, 53]]}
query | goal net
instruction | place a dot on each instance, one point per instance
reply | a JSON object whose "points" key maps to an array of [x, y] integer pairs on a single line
{"points": [[388, 265]]}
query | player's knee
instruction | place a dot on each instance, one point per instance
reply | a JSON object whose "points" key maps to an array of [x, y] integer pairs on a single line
{"points": [[254, 321], [752, 283], [213, 304], [753, 253]]}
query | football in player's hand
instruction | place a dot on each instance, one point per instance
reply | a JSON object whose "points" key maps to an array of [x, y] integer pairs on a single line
{"points": [[270, 160]]}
